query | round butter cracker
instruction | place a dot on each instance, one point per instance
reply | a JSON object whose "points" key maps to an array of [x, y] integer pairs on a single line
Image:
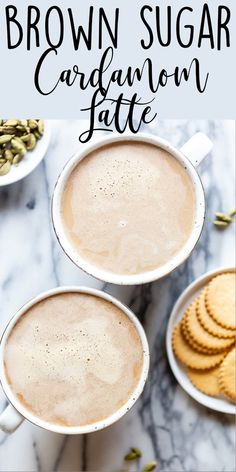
{"points": [[227, 377], [206, 381], [191, 358], [220, 300], [201, 336], [189, 339], [208, 323]]}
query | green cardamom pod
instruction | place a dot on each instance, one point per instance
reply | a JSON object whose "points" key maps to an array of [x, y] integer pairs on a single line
{"points": [[5, 138], [11, 123], [23, 122], [7, 130], [18, 146], [25, 138], [33, 124], [37, 135], [220, 224], [219, 215], [41, 127], [232, 212], [4, 169], [131, 456], [31, 143], [8, 155], [150, 466], [137, 451], [223, 217], [22, 129], [17, 158], [227, 219]]}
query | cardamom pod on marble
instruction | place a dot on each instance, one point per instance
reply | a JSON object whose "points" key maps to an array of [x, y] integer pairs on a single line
{"points": [[223, 217], [232, 212], [220, 224], [150, 467], [133, 454]]}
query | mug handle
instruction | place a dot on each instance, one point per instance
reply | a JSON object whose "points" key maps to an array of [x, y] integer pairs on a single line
{"points": [[10, 419], [196, 148]]}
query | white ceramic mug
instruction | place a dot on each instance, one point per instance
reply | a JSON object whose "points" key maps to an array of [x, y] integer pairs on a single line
{"points": [[15, 413], [190, 155]]}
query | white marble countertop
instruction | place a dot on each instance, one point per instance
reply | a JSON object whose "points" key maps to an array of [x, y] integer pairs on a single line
{"points": [[165, 423]]}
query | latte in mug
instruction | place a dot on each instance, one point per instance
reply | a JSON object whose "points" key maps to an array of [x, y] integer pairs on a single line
{"points": [[128, 207], [73, 359]]}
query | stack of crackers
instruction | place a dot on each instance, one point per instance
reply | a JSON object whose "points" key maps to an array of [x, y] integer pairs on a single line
{"points": [[204, 340]]}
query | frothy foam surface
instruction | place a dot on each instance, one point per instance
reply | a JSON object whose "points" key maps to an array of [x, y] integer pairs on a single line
{"points": [[73, 359], [128, 207]]}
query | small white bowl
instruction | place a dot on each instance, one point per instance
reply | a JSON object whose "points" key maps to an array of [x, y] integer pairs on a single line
{"points": [[191, 292], [29, 161]]}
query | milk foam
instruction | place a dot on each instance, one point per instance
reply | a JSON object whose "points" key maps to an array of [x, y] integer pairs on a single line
{"points": [[128, 207], [73, 359]]}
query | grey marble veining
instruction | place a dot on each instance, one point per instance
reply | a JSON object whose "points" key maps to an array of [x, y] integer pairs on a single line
{"points": [[165, 423]]}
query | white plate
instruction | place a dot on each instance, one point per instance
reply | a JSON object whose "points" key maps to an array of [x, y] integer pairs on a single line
{"points": [[30, 160], [191, 292]]}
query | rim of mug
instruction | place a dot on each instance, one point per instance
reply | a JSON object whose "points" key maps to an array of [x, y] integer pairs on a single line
{"points": [[93, 426], [147, 276]]}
